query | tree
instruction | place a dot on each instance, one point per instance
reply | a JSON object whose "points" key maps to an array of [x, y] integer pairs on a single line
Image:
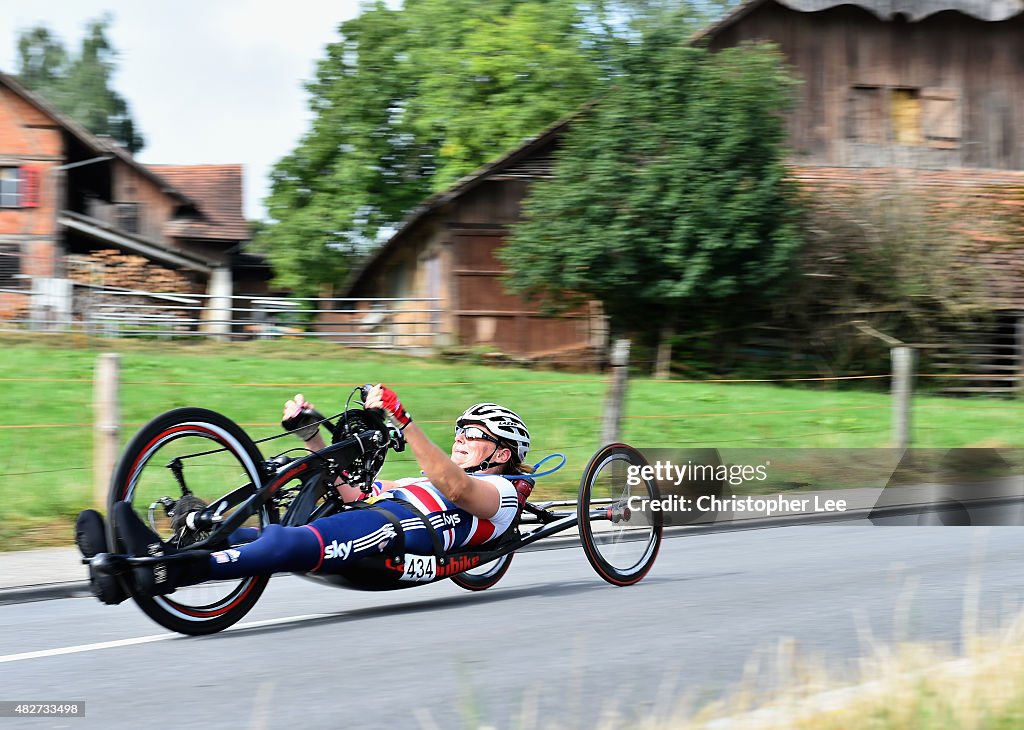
{"points": [[897, 257], [42, 58], [502, 72], [669, 203], [359, 168], [406, 102], [79, 86], [643, 15]]}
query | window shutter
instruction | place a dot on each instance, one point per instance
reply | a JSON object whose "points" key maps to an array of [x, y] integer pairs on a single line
{"points": [[940, 118], [865, 121], [30, 187]]}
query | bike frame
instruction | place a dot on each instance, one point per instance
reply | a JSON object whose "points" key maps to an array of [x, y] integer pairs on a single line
{"points": [[319, 465]]}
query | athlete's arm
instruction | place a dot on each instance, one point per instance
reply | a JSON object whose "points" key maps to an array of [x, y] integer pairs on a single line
{"points": [[478, 497]]}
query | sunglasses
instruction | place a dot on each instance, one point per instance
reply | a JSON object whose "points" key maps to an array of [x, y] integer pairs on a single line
{"points": [[474, 433]]}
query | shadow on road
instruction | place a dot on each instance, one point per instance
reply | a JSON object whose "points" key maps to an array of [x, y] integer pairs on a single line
{"points": [[412, 607]]}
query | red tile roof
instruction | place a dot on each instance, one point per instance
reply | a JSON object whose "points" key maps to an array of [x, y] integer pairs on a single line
{"points": [[217, 191], [985, 210]]}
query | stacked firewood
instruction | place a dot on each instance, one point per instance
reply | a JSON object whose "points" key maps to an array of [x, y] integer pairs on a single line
{"points": [[135, 314], [116, 269]]}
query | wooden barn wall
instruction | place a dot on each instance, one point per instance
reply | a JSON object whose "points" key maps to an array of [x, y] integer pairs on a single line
{"points": [[413, 268], [493, 203], [965, 78], [155, 207], [488, 315]]}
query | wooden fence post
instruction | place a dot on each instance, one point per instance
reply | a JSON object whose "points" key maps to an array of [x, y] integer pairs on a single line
{"points": [[663, 362], [902, 389], [106, 424], [616, 392]]}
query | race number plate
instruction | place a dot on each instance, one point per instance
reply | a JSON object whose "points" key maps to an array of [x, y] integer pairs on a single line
{"points": [[419, 568]]}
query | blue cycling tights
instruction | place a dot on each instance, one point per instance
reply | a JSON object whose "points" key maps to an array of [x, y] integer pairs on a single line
{"points": [[324, 545]]}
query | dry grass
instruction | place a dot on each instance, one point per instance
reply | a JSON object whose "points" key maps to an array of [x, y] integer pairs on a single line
{"points": [[908, 686], [895, 685]]}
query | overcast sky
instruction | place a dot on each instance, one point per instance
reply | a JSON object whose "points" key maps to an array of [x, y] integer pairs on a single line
{"points": [[208, 81]]}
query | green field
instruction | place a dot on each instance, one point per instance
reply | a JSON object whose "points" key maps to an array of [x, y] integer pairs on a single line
{"points": [[46, 428]]}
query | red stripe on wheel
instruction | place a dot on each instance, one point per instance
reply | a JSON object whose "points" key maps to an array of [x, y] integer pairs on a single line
{"points": [[159, 437], [286, 477], [218, 612]]}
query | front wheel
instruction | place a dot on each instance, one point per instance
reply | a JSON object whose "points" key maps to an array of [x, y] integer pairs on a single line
{"points": [[620, 532], [480, 579], [209, 455]]}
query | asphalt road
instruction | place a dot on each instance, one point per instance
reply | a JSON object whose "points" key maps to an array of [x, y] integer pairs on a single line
{"points": [[551, 645]]}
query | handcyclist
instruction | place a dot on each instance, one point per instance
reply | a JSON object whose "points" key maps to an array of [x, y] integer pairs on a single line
{"points": [[464, 495]]}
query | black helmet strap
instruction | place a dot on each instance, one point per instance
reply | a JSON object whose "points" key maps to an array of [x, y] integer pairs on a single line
{"points": [[486, 463]]}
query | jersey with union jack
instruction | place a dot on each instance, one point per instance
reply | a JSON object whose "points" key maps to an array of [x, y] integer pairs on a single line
{"points": [[456, 527]]}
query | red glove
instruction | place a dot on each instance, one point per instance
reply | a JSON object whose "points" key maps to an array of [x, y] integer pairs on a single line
{"points": [[389, 399]]}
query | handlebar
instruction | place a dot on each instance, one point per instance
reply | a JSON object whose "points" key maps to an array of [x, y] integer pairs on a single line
{"points": [[305, 423], [395, 434]]}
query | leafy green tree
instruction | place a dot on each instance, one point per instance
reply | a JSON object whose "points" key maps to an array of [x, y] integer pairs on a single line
{"points": [[42, 58], [406, 102], [670, 203], [359, 168], [501, 72], [79, 85]]}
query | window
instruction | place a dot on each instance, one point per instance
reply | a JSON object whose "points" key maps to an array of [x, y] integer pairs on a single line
{"points": [[10, 267], [19, 187], [904, 116], [10, 187], [865, 120], [128, 217]]}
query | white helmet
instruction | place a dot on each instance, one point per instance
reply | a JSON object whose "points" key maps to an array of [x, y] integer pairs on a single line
{"points": [[505, 424]]}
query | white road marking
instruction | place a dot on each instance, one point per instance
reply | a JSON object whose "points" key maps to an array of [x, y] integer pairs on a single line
{"points": [[147, 639]]}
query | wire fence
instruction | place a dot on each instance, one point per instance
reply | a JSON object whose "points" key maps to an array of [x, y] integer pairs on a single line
{"points": [[671, 425], [65, 306], [456, 383]]}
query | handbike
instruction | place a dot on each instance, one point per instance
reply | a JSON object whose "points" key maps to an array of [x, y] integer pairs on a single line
{"points": [[198, 451]]}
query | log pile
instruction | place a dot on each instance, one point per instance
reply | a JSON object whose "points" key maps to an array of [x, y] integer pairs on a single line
{"points": [[116, 269], [13, 306]]}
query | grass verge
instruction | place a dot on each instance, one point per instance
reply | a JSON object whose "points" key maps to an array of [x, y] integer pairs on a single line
{"points": [[46, 430]]}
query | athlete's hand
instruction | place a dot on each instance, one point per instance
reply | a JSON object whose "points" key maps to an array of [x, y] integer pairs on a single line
{"points": [[381, 396], [292, 418]]}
